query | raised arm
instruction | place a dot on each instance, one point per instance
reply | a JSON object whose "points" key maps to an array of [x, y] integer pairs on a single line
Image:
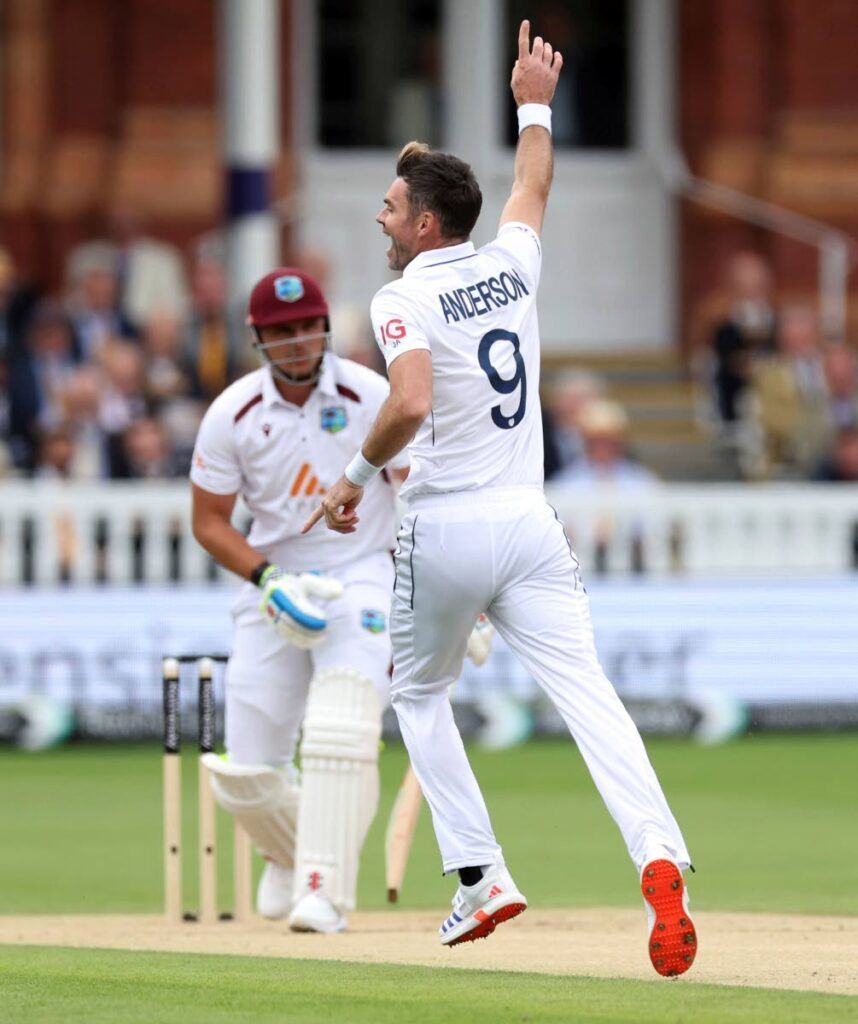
{"points": [[534, 78]]}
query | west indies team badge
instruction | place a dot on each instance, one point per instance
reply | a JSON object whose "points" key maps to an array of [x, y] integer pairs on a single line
{"points": [[334, 419], [372, 620]]}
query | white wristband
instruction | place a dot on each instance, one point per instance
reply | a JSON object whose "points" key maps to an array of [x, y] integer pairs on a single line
{"points": [[359, 472], [534, 113]]}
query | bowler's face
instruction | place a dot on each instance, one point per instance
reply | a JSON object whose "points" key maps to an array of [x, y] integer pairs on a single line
{"points": [[400, 225]]}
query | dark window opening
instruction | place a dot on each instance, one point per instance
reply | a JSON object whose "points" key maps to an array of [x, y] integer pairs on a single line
{"points": [[379, 72], [591, 108]]}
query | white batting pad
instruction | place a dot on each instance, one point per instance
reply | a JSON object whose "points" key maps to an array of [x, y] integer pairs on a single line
{"points": [[262, 800], [339, 787]]}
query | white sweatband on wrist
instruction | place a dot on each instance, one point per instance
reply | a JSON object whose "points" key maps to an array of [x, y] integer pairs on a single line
{"points": [[359, 472], [534, 113]]}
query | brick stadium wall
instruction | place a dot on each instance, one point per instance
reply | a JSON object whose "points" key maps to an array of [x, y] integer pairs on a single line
{"points": [[768, 103], [107, 103], [110, 104]]}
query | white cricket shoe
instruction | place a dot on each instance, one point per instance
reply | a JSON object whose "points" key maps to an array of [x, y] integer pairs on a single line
{"points": [[479, 909], [274, 894], [672, 937], [314, 912]]}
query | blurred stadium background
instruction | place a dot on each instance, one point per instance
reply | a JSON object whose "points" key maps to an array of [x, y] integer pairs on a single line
{"points": [[699, 315]]}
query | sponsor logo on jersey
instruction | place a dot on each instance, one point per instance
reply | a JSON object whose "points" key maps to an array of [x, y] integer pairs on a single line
{"points": [[373, 620], [392, 333], [289, 288], [306, 483], [334, 419]]}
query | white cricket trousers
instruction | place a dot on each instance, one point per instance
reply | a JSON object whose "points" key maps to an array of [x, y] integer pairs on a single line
{"points": [[503, 551]]}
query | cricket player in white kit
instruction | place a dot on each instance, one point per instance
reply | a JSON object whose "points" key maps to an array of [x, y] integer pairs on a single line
{"points": [[308, 650], [459, 332]]}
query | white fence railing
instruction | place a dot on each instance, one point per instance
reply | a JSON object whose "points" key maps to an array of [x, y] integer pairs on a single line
{"points": [[129, 533], [714, 528]]}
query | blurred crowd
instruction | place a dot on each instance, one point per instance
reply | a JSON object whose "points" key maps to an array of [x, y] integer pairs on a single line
{"points": [[778, 394], [777, 398], [587, 435], [110, 379]]}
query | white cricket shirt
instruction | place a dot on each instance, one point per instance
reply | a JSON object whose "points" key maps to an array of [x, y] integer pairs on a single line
{"points": [[282, 458], [475, 311]]}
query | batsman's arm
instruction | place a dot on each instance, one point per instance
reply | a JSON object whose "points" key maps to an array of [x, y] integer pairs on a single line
{"points": [[534, 79], [211, 521]]}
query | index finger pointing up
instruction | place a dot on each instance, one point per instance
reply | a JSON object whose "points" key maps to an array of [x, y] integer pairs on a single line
{"points": [[524, 40]]}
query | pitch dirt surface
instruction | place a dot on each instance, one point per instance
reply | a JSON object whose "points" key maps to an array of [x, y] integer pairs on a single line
{"points": [[786, 951]]}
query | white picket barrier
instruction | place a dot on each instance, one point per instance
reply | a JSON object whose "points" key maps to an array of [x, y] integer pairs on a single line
{"points": [[128, 533], [714, 529]]}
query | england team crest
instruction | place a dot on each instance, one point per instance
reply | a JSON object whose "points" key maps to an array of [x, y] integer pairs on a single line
{"points": [[334, 419]]}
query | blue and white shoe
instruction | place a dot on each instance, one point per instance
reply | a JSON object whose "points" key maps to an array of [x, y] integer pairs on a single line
{"points": [[479, 909]]}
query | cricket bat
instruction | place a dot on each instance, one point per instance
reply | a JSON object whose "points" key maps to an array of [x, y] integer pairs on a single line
{"points": [[400, 833]]}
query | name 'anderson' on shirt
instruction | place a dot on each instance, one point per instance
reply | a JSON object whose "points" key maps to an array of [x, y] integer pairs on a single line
{"points": [[482, 297]]}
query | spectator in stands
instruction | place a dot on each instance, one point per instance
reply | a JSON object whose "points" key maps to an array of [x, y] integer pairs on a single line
{"points": [[748, 331], [842, 464], [841, 378], [81, 417], [605, 463], [605, 460], [36, 379], [122, 400], [150, 274], [168, 385], [6, 460], [93, 300], [181, 419], [209, 346], [17, 301], [147, 451], [165, 376], [791, 398], [55, 454], [567, 395]]}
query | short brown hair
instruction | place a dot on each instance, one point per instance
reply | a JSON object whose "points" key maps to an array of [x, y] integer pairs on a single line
{"points": [[442, 184]]}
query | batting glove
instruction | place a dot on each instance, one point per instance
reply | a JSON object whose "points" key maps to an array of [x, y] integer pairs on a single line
{"points": [[480, 641], [287, 606]]}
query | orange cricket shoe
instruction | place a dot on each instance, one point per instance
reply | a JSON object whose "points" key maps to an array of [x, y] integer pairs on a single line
{"points": [[672, 938]]}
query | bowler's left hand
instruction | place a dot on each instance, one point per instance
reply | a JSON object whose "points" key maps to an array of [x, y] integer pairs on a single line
{"points": [[338, 507]]}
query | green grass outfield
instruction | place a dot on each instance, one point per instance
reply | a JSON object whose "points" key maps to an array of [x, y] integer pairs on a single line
{"points": [[46, 986], [770, 820]]}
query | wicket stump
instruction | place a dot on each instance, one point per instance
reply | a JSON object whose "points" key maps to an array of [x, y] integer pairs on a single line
{"points": [[172, 771]]}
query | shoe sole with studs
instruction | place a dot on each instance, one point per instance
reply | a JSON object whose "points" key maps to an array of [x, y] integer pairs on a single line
{"points": [[486, 925], [673, 940]]}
